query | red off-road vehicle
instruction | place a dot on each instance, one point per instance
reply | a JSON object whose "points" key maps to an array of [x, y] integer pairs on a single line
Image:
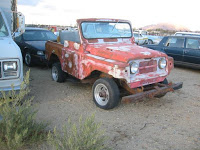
{"points": [[103, 52]]}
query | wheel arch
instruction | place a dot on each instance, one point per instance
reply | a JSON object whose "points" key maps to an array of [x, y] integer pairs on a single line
{"points": [[53, 59], [95, 75]]}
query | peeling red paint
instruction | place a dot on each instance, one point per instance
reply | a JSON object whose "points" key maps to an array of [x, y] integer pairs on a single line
{"points": [[110, 56]]}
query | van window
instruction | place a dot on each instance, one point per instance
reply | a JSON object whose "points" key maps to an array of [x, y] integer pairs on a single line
{"points": [[3, 29]]}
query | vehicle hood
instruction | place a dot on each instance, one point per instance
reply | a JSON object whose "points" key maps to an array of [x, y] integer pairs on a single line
{"points": [[123, 52], [9, 49], [39, 45]]}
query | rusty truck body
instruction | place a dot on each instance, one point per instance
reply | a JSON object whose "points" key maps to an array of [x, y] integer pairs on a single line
{"points": [[103, 52]]}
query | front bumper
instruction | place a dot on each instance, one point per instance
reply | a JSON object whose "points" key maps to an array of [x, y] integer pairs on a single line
{"points": [[39, 59], [156, 91], [7, 89]]}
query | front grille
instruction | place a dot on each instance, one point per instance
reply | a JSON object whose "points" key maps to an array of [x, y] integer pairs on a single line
{"points": [[147, 66]]}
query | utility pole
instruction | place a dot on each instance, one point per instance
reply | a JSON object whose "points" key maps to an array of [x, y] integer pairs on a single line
{"points": [[14, 9]]}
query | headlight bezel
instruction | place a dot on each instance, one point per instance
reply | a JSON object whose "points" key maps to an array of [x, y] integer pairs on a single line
{"points": [[7, 73], [7, 66], [134, 70], [162, 63]]}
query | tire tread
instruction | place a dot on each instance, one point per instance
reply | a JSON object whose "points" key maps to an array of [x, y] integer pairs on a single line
{"points": [[114, 94], [61, 73]]}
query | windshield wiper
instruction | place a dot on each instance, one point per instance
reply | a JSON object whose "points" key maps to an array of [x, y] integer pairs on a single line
{"points": [[114, 26], [113, 30]]}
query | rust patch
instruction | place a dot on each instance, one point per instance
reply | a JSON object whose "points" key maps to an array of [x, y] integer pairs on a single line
{"points": [[130, 90], [105, 75], [93, 40], [152, 93], [110, 40], [148, 63], [90, 81]]}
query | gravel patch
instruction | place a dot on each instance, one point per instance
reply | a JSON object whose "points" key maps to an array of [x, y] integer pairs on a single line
{"points": [[168, 123]]}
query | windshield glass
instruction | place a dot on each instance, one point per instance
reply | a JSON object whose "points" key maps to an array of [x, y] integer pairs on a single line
{"points": [[92, 30], [3, 29], [39, 35]]}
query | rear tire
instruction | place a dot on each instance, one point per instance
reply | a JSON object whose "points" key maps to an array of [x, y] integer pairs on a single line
{"points": [[161, 95], [57, 74], [105, 93]]}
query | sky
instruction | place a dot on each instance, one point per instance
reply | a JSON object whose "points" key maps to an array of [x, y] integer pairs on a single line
{"points": [[139, 12]]}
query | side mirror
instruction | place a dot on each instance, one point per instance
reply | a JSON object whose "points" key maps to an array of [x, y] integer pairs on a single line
{"points": [[20, 23]]}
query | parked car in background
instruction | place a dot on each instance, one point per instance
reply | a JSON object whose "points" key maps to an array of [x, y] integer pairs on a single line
{"points": [[32, 44], [139, 39], [152, 39], [187, 34], [184, 49]]}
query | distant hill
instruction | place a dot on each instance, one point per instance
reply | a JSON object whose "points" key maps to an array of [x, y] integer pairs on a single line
{"points": [[165, 26]]}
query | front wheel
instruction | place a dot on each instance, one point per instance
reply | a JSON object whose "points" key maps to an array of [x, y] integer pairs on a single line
{"points": [[56, 72], [105, 93], [28, 59]]}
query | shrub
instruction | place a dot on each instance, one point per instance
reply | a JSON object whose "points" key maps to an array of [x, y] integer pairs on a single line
{"points": [[86, 136], [18, 126], [13, 96]]}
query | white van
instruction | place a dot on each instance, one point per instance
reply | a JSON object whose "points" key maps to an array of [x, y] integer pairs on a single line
{"points": [[11, 63]]}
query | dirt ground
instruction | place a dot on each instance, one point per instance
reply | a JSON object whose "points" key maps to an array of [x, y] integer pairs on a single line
{"points": [[168, 123]]}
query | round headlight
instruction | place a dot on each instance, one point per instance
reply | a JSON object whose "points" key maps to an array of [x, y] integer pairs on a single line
{"points": [[134, 67], [162, 63]]}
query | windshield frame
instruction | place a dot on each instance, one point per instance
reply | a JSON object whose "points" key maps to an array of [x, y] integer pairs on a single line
{"points": [[5, 25], [116, 22]]}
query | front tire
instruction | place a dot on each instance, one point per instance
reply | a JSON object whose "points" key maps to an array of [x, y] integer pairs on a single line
{"points": [[105, 93], [28, 59], [57, 74]]}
